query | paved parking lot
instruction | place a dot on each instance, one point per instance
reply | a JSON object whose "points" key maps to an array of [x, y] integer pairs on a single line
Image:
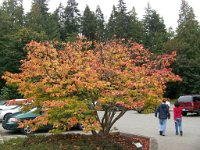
{"points": [[147, 125]]}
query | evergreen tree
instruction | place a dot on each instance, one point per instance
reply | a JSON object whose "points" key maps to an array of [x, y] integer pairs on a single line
{"points": [[59, 17], [124, 24], [185, 13], [11, 16], [118, 23], [100, 31], [111, 26], [88, 24], [54, 31], [122, 20], [37, 19], [188, 34], [14, 9], [6, 27], [187, 45], [13, 37], [71, 19], [60, 13], [136, 29], [155, 30], [188, 54]]}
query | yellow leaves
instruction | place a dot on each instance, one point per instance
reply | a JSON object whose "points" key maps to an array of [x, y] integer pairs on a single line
{"points": [[73, 121], [112, 73], [11, 78], [34, 124], [59, 104], [90, 123]]}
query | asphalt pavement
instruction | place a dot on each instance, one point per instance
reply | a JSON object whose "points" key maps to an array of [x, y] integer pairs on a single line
{"points": [[147, 125]]}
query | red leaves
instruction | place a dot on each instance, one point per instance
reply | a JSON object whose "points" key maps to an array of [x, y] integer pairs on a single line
{"points": [[112, 73]]}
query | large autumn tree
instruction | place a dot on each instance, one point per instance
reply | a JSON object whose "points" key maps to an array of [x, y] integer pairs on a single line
{"points": [[66, 81]]}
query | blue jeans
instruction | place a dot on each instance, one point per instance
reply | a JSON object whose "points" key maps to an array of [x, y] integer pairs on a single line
{"points": [[178, 125], [163, 123]]}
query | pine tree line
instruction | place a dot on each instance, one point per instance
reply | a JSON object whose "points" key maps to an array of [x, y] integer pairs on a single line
{"points": [[65, 23]]}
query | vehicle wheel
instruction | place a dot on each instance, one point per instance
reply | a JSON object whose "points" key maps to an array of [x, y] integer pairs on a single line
{"points": [[80, 127], [26, 130], [6, 115], [184, 113], [198, 113], [139, 111]]}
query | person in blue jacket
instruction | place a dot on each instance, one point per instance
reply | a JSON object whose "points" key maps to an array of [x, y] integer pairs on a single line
{"points": [[163, 114]]}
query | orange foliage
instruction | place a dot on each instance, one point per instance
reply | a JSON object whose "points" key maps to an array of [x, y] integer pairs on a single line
{"points": [[111, 73]]}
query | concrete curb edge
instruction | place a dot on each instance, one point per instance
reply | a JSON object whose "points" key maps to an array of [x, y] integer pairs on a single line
{"points": [[153, 142]]}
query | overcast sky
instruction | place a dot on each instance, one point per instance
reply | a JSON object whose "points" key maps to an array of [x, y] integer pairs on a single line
{"points": [[168, 9]]}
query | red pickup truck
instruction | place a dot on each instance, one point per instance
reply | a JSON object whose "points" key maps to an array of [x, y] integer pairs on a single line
{"points": [[190, 103]]}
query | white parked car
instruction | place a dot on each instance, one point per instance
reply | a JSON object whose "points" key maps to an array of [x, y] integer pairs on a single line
{"points": [[6, 112], [10, 107], [9, 104], [5, 107]]}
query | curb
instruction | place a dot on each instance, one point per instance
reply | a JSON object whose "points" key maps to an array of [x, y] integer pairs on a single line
{"points": [[153, 142], [1, 139]]}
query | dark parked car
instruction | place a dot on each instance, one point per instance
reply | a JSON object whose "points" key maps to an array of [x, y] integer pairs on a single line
{"points": [[190, 103], [11, 122]]}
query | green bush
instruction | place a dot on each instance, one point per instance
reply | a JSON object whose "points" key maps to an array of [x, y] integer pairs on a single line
{"points": [[8, 92], [151, 103]]}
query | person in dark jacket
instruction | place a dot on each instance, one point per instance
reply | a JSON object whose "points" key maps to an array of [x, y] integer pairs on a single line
{"points": [[163, 113]]}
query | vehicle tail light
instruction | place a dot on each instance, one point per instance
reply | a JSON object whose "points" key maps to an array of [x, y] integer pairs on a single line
{"points": [[192, 104]]}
